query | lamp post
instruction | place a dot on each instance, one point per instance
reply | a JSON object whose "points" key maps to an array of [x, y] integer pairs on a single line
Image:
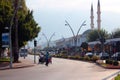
{"points": [[48, 40], [35, 44], [10, 31], [75, 36], [16, 32]]}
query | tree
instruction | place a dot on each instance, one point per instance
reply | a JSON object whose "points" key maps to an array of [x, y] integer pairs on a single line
{"points": [[28, 29], [97, 35], [100, 35], [5, 17], [84, 45], [116, 33], [28, 26]]}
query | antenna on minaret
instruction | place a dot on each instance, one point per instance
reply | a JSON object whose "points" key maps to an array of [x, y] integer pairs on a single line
{"points": [[98, 16], [92, 17]]}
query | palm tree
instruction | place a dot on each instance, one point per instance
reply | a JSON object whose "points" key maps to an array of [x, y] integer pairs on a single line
{"points": [[97, 35], [116, 33]]}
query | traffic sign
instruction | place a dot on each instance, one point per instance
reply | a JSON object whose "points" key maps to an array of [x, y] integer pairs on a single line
{"points": [[5, 39]]}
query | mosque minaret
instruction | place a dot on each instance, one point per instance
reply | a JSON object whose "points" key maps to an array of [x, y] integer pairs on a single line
{"points": [[92, 17], [98, 16]]}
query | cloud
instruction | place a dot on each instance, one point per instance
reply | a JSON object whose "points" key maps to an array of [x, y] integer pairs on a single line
{"points": [[110, 6], [113, 9], [58, 4], [70, 5]]}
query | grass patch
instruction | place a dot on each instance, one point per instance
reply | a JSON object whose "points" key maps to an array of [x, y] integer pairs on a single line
{"points": [[5, 59], [103, 64], [117, 77]]}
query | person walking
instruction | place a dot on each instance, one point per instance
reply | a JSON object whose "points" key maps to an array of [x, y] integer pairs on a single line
{"points": [[47, 56], [50, 59]]}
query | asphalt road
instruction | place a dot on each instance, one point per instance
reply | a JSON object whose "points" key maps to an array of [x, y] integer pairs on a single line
{"points": [[60, 69]]}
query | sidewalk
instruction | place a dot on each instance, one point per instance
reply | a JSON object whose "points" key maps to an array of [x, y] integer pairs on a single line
{"points": [[24, 63]]}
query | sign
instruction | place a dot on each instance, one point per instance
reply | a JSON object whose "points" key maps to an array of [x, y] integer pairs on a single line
{"points": [[5, 39], [35, 43]]}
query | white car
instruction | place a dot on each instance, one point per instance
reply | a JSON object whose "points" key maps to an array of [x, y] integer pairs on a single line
{"points": [[90, 54], [116, 56]]}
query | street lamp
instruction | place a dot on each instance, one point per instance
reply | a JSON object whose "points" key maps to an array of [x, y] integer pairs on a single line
{"points": [[35, 44], [10, 31], [75, 36], [48, 40]]}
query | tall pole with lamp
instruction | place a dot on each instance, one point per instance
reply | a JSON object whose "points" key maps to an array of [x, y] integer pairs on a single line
{"points": [[10, 30], [10, 36], [35, 44], [48, 40], [75, 36]]}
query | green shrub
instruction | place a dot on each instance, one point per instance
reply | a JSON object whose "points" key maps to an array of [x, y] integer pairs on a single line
{"points": [[72, 57], [5, 59], [81, 58], [95, 58], [115, 63], [77, 57], [108, 61], [87, 58]]}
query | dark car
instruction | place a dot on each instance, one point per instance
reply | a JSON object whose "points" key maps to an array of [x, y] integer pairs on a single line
{"points": [[104, 55], [116, 56]]}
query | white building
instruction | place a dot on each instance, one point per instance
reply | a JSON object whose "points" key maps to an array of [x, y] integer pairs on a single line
{"points": [[69, 42]]}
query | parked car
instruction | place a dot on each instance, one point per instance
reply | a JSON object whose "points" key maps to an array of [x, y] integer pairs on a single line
{"points": [[23, 52], [90, 54], [96, 54], [116, 56], [104, 55]]}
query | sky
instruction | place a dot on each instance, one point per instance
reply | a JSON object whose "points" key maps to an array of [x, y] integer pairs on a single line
{"points": [[51, 16]]}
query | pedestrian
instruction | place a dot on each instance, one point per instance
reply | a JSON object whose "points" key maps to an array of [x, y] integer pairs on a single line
{"points": [[50, 59], [47, 56]]}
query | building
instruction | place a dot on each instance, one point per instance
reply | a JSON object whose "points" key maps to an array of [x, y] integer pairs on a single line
{"points": [[69, 42]]}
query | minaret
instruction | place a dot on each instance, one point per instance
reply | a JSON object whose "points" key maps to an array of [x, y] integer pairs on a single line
{"points": [[92, 17], [98, 16]]}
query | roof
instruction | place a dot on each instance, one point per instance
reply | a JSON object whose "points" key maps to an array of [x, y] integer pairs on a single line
{"points": [[87, 31]]}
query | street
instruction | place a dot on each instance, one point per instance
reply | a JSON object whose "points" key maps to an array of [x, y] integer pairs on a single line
{"points": [[60, 69]]}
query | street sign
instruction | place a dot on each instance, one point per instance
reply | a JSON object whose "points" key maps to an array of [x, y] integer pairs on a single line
{"points": [[5, 39]]}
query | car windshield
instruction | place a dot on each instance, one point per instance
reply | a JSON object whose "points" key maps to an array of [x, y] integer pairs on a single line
{"points": [[23, 50], [103, 54]]}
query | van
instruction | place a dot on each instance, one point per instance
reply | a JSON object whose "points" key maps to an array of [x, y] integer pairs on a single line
{"points": [[23, 52]]}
